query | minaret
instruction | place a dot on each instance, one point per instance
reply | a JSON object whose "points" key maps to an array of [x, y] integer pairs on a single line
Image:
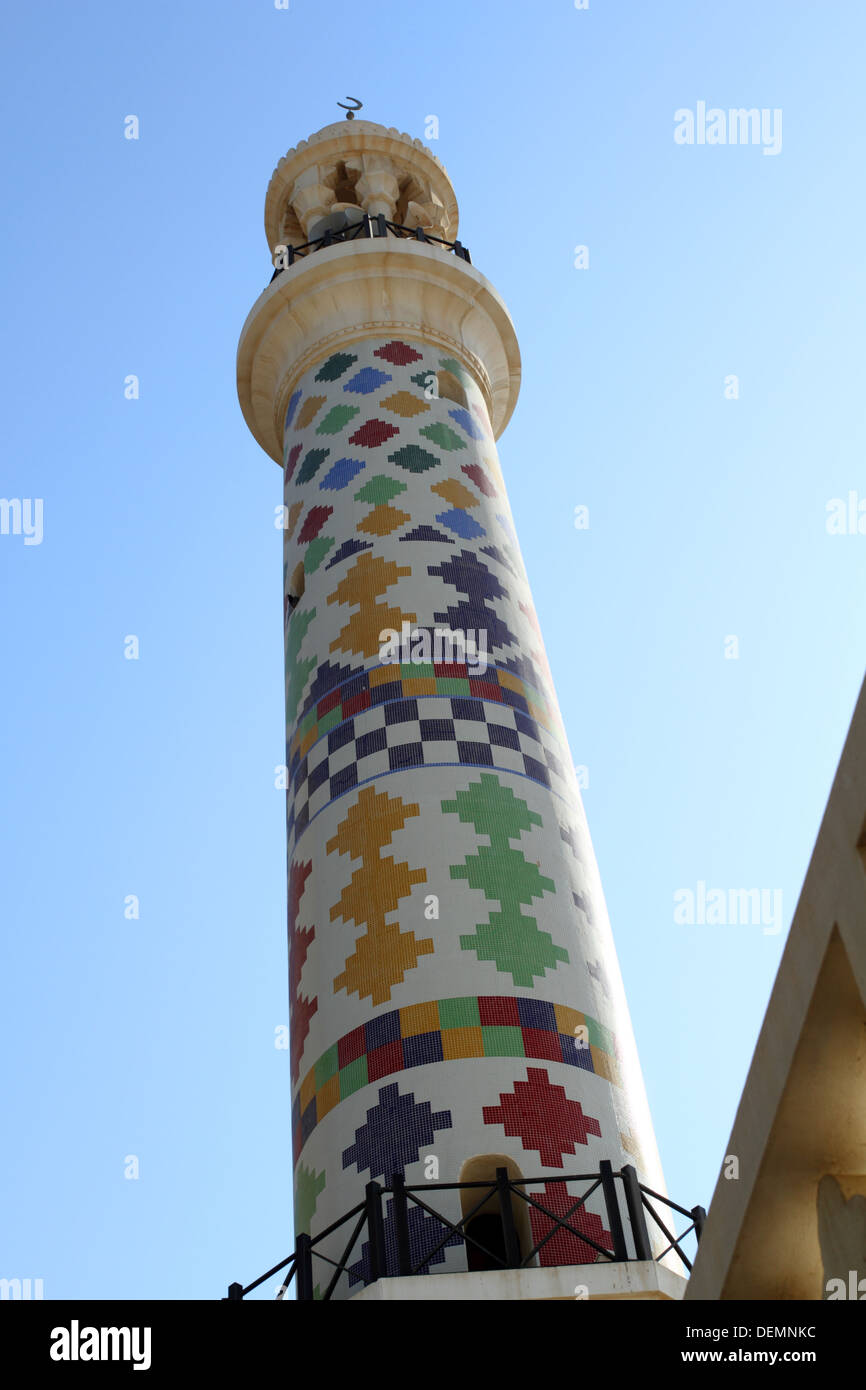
{"points": [[456, 1002]]}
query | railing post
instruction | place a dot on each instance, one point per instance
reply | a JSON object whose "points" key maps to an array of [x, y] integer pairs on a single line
{"points": [[640, 1234], [304, 1258], [236, 1292], [365, 223], [401, 1224], [699, 1216], [375, 1231], [381, 229], [614, 1220], [419, 234], [506, 1212]]}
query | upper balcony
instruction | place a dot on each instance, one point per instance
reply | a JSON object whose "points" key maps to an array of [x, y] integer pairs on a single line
{"points": [[405, 272], [351, 223]]}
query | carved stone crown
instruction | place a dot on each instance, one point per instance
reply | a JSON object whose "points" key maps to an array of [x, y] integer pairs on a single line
{"points": [[367, 286], [358, 164]]}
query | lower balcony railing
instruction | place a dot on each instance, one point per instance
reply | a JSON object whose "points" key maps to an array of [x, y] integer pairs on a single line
{"points": [[411, 1246]]}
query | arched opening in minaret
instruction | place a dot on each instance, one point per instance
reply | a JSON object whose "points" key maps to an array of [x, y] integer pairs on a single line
{"points": [[295, 587], [344, 184], [485, 1226], [450, 389]]}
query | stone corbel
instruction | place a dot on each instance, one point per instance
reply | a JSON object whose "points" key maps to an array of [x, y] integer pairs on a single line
{"points": [[377, 188], [429, 216], [311, 198]]}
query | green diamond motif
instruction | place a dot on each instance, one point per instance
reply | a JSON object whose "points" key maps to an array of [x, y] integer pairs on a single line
{"points": [[509, 938], [316, 552], [443, 435], [335, 366], [414, 459], [297, 670], [337, 417], [309, 1186], [379, 489], [313, 461]]}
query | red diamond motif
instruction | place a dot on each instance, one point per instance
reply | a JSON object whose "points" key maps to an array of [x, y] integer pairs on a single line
{"points": [[563, 1248], [398, 354], [313, 523], [373, 433], [302, 1009], [294, 454], [479, 478], [540, 1114]]}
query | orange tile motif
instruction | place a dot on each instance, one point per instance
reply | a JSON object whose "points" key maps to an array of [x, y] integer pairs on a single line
{"points": [[384, 954], [369, 577], [455, 493], [383, 520], [294, 512], [308, 411], [419, 1018], [461, 1042], [405, 404]]}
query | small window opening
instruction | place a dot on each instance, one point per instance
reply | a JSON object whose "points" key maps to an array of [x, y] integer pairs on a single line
{"points": [[450, 389], [485, 1226], [295, 587]]}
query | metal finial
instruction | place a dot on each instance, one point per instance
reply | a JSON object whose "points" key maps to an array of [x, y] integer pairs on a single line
{"points": [[350, 110]]}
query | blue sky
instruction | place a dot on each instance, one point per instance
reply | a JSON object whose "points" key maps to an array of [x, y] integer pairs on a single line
{"points": [[707, 515]]}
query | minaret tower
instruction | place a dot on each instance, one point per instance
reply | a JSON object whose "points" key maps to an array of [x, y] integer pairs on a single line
{"points": [[456, 1002]]}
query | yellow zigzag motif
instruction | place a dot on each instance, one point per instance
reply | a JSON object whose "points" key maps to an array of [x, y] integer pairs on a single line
{"points": [[383, 954], [368, 578]]}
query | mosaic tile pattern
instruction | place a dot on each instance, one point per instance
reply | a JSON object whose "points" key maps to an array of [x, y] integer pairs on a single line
{"points": [[299, 944], [510, 937], [446, 1030], [369, 577], [426, 1235], [384, 953], [453, 986], [541, 1115], [395, 725], [395, 1130], [309, 1186], [386, 682], [561, 1247]]}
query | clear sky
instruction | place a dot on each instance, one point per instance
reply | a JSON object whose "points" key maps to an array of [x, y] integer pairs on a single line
{"points": [[707, 520]]}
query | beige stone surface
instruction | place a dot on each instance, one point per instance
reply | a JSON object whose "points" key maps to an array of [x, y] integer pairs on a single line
{"points": [[639, 1279], [363, 288], [375, 166], [802, 1115], [842, 1229]]}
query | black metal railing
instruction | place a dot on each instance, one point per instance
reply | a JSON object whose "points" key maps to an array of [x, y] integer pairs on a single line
{"points": [[376, 226], [378, 1261]]}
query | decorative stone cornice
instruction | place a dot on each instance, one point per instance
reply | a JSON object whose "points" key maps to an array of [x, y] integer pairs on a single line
{"points": [[364, 288]]}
